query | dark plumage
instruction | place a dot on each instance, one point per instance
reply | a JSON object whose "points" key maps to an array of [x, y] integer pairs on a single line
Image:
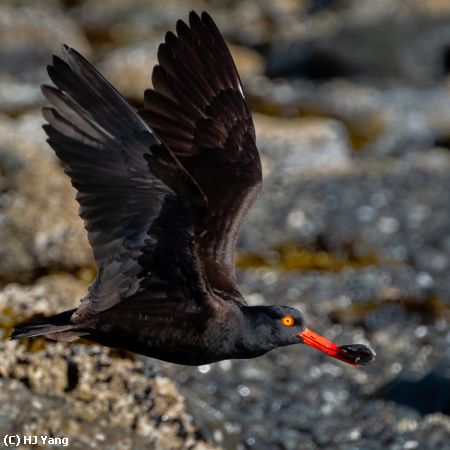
{"points": [[163, 193]]}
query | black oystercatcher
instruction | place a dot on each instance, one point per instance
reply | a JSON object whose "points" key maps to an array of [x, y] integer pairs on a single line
{"points": [[163, 193]]}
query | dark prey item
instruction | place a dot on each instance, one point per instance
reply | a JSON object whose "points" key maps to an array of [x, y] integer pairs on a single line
{"points": [[163, 192], [358, 353]]}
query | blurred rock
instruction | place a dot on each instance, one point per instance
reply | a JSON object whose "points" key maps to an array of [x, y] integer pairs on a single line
{"points": [[29, 35], [397, 48], [120, 22], [367, 9], [380, 121], [293, 148], [39, 226], [314, 400], [380, 69], [18, 95], [292, 151], [263, 19], [248, 62], [49, 295], [94, 399], [428, 395], [129, 69], [351, 228], [372, 204]]}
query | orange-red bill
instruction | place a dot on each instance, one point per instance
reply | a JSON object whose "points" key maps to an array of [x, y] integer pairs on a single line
{"points": [[354, 355]]}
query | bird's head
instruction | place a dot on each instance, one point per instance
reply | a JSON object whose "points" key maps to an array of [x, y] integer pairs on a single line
{"points": [[277, 326]]}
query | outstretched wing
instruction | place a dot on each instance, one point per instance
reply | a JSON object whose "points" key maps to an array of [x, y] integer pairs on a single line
{"points": [[197, 108], [141, 208]]}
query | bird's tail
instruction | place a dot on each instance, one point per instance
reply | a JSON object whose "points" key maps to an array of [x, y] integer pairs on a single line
{"points": [[58, 327]]}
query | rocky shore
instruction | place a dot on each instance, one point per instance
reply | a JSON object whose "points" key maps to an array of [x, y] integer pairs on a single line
{"points": [[351, 105]]}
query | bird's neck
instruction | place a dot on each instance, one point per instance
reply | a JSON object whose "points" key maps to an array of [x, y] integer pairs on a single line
{"points": [[257, 336]]}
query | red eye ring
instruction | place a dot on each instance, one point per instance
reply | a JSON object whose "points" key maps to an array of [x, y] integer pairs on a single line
{"points": [[287, 321]]}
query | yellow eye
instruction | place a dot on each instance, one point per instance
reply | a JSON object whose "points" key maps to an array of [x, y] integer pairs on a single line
{"points": [[287, 321]]}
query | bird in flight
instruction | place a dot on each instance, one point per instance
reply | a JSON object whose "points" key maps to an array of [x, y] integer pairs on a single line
{"points": [[163, 192]]}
